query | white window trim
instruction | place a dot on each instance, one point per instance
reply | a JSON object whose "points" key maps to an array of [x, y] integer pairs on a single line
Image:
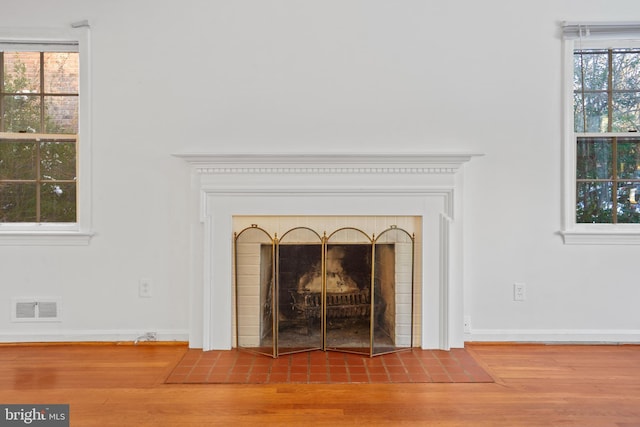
{"points": [[80, 232], [593, 35]]}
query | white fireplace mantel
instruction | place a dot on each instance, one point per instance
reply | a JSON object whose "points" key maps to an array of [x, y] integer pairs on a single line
{"points": [[330, 163], [429, 185]]}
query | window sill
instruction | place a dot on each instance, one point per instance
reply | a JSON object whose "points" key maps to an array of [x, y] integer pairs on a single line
{"points": [[602, 236], [44, 238]]}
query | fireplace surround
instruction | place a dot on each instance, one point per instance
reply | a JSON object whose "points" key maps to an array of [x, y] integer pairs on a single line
{"points": [[424, 185]]}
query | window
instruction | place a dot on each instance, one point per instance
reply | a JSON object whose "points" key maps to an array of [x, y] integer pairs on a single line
{"points": [[602, 139], [44, 138], [38, 136]]}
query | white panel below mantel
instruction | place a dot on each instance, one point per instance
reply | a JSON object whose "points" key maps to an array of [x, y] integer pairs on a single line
{"points": [[429, 186]]}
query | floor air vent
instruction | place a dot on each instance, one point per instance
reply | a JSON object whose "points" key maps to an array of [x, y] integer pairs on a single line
{"points": [[36, 310]]}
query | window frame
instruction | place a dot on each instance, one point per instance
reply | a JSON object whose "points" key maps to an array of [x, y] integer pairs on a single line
{"points": [[586, 36], [79, 232]]}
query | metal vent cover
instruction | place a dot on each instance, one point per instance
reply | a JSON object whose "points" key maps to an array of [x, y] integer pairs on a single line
{"points": [[35, 310]]}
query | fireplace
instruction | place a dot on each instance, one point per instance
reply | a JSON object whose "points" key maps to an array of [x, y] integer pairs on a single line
{"points": [[229, 188], [343, 290]]}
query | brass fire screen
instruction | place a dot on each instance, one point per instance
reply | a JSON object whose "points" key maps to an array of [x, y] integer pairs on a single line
{"points": [[344, 291]]}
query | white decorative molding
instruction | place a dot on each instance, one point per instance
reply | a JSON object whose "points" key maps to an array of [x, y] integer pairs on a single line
{"points": [[428, 186], [98, 335], [445, 277], [583, 336], [415, 163], [44, 238], [323, 170], [598, 236]]}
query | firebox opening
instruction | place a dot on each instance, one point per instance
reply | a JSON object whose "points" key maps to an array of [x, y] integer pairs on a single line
{"points": [[347, 292], [348, 296]]}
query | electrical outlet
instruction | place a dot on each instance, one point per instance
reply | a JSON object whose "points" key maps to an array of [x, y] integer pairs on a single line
{"points": [[519, 291], [144, 288], [467, 324]]}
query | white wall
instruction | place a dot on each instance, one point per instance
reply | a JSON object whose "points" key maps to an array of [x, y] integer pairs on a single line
{"points": [[324, 75]]}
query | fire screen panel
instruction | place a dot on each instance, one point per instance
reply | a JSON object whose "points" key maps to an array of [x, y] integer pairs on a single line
{"points": [[255, 286], [344, 292], [393, 291], [348, 291], [299, 290]]}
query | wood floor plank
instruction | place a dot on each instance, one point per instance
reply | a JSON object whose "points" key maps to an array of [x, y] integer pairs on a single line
{"points": [[537, 385]]}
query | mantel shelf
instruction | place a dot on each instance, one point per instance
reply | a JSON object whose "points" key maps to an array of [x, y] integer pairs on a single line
{"points": [[327, 163]]}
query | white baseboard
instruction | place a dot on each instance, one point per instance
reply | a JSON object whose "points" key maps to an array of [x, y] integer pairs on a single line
{"points": [[90, 335], [587, 336]]}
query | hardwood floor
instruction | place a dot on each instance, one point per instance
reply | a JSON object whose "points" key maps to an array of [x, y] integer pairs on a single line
{"points": [[123, 385]]}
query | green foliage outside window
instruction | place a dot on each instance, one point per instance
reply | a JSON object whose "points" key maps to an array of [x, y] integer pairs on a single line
{"points": [[38, 174], [607, 101]]}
